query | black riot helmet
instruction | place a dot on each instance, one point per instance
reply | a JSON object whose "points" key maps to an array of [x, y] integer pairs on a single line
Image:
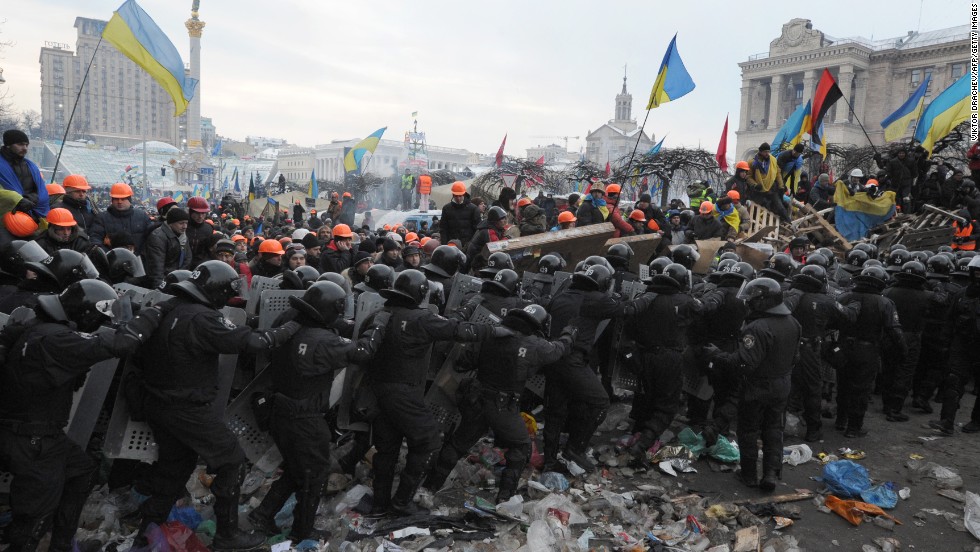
{"points": [[812, 278], [335, 278], [322, 303], [378, 277], [855, 259], [86, 303], [675, 275], [410, 286], [444, 261], [869, 248], [64, 268], [897, 258], [173, 277], [123, 264], [495, 263], [939, 267], [532, 317], [872, 278], [716, 273], [778, 267], [619, 255], [739, 271], [912, 272], [729, 255], [212, 283], [593, 260], [504, 283], [593, 278], [826, 252], [496, 213], [896, 247], [763, 295], [872, 262], [685, 255], [944, 249], [549, 264], [658, 265], [818, 259], [291, 281], [921, 256], [19, 252]]}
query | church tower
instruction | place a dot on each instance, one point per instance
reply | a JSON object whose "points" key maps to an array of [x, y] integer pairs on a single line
{"points": [[624, 104]]}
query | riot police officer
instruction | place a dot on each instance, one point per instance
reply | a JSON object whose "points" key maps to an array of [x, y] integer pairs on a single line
{"points": [[398, 374], [585, 304], [661, 335], [877, 319], [444, 263], [769, 342], [540, 288], [499, 292], [492, 399], [44, 362], [303, 371], [817, 313], [963, 362], [936, 336], [180, 383]]}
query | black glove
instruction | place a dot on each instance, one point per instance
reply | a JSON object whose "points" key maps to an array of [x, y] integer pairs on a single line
{"points": [[24, 205], [381, 320], [571, 332], [502, 331], [279, 336], [137, 331]]}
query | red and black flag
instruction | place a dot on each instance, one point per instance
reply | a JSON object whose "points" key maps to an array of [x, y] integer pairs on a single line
{"points": [[827, 93]]}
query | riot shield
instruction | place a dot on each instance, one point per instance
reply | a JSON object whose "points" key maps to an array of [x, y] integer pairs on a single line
{"points": [[240, 418], [255, 289], [272, 303], [89, 398], [368, 303], [463, 285]]}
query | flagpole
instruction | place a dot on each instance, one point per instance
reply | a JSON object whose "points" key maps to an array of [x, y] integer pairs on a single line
{"points": [[637, 144], [81, 87], [856, 118]]}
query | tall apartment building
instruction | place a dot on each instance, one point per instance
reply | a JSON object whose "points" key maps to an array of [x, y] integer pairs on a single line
{"points": [[876, 77]]}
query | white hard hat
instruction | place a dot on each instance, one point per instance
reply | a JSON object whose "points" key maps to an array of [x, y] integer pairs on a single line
{"points": [[299, 234], [858, 173]]}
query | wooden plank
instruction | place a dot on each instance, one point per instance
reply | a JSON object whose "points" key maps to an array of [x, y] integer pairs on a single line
{"points": [[748, 540], [758, 235], [643, 247], [708, 249], [800, 494], [573, 245]]}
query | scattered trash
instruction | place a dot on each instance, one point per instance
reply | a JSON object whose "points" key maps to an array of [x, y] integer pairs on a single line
{"points": [[888, 544], [794, 455], [670, 466], [881, 495], [851, 454], [952, 495], [943, 477], [722, 512], [905, 493], [827, 458], [782, 522], [694, 442], [554, 481], [513, 507], [971, 514], [724, 450], [853, 510], [846, 478]]}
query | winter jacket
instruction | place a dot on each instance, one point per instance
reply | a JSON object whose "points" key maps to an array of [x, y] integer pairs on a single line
{"points": [[132, 221], [533, 220], [588, 213], [335, 260], [82, 211], [458, 221], [79, 241], [703, 228], [199, 240], [165, 252]]}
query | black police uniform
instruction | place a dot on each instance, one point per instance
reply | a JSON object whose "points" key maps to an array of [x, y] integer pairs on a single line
{"points": [[722, 321], [397, 375], [573, 382], [492, 400], [817, 313], [912, 303], [46, 363], [661, 335], [862, 345], [964, 363], [180, 378], [766, 350], [539, 289], [303, 372], [937, 335], [498, 303]]}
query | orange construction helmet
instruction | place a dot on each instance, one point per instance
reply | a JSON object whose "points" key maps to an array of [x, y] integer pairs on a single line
{"points": [[637, 215], [347, 194], [342, 231], [424, 240], [271, 246], [386, 228], [734, 195], [285, 240], [59, 216], [238, 238], [76, 181], [652, 225], [523, 201], [54, 189], [19, 223], [411, 236], [706, 207], [120, 190], [566, 216], [742, 166], [458, 188], [613, 189], [236, 222]]}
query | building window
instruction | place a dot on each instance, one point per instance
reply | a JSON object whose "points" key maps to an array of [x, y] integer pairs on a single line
{"points": [[916, 77], [957, 70]]}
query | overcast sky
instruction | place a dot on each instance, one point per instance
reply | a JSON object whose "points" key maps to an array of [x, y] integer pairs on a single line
{"points": [[313, 71]]}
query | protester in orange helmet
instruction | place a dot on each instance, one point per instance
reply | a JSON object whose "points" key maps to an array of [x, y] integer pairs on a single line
{"points": [[120, 217], [76, 200], [638, 221], [55, 193], [63, 233], [623, 228], [268, 261], [460, 218], [740, 181], [339, 253], [566, 221]]}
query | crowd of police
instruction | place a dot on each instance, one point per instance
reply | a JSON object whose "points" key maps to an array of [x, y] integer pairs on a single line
{"points": [[810, 332]]}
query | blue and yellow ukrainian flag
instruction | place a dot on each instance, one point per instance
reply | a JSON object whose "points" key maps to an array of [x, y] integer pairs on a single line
{"points": [[656, 149], [673, 80], [139, 38], [179, 197], [352, 161], [896, 123], [940, 117], [791, 133], [314, 187]]}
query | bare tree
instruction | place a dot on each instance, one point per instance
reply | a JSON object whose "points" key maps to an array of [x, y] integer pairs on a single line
{"points": [[527, 174], [31, 121], [667, 170]]}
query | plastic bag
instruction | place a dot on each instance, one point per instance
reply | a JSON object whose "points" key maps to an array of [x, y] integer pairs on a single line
{"points": [[693, 441], [845, 478], [554, 481], [854, 510], [880, 495], [724, 451], [174, 536], [944, 478], [186, 515], [971, 514], [539, 537], [794, 455], [539, 509]]}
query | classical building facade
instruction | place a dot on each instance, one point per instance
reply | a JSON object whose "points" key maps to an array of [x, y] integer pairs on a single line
{"points": [[618, 137], [296, 163], [876, 77]]}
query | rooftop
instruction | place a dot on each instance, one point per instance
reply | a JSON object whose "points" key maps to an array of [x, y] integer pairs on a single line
{"points": [[910, 41]]}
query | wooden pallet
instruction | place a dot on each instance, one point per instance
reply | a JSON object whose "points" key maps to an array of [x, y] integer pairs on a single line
{"points": [[928, 230], [761, 219], [814, 225]]}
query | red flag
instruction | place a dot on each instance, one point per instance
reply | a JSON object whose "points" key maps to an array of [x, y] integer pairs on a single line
{"points": [[827, 93], [720, 156], [608, 169], [540, 161], [500, 152]]}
